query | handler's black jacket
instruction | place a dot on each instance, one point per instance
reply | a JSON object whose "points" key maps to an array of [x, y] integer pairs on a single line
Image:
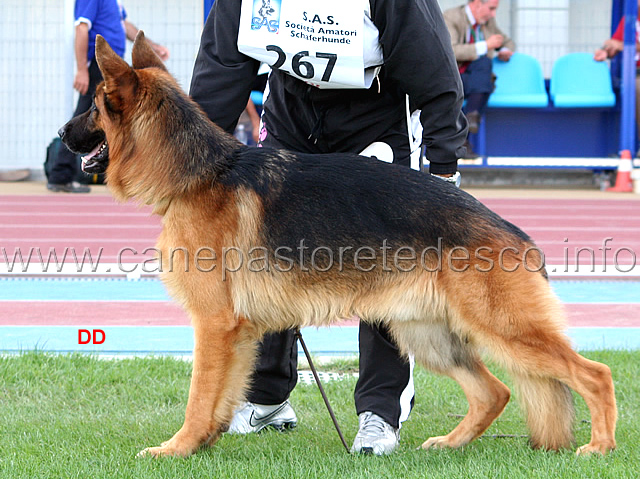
{"points": [[418, 61]]}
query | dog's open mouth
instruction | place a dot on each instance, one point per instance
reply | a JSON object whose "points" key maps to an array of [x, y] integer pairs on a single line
{"points": [[96, 160]]}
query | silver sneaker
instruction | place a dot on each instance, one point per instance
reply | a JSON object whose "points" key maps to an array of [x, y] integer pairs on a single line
{"points": [[375, 435], [252, 417]]}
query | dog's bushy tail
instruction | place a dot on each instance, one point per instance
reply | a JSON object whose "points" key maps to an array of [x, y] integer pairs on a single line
{"points": [[549, 410]]}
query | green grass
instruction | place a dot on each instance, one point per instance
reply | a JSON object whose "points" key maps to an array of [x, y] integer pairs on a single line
{"points": [[79, 417]]}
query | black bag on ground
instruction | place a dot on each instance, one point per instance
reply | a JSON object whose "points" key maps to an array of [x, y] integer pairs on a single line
{"points": [[53, 150]]}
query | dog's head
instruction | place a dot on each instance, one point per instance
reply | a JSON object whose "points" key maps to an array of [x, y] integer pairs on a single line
{"points": [[93, 133], [153, 141]]}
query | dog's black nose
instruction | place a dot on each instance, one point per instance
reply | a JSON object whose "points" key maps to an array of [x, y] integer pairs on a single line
{"points": [[61, 132]]}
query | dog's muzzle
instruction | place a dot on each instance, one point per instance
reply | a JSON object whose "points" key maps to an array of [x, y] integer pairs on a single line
{"points": [[97, 160], [91, 144]]}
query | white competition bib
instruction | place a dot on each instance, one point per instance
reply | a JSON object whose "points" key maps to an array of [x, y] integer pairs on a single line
{"points": [[328, 44]]}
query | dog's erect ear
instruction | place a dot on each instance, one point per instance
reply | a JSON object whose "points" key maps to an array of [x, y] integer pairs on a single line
{"points": [[143, 56], [119, 78]]}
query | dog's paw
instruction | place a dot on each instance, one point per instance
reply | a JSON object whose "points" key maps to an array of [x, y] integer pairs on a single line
{"points": [[150, 452], [439, 442], [599, 448], [165, 450]]}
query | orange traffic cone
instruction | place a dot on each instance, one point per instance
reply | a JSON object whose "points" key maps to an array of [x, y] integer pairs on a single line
{"points": [[623, 177]]}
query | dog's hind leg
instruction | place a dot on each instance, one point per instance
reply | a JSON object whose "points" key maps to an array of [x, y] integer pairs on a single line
{"points": [[437, 348], [220, 371], [543, 395], [592, 380], [515, 317], [542, 370], [487, 397]]}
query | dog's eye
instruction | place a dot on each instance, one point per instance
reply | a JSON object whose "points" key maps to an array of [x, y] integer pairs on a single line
{"points": [[93, 108]]}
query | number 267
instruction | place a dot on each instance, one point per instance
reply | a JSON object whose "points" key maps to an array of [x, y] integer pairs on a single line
{"points": [[297, 62]]}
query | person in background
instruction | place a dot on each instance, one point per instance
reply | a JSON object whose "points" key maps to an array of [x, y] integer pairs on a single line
{"points": [[476, 39], [406, 64], [92, 17], [614, 45]]}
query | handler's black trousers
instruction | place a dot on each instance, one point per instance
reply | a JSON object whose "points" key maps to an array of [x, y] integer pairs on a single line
{"points": [[385, 385], [384, 375]]}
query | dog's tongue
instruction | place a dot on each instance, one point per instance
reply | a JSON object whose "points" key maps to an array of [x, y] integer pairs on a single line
{"points": [[93, 153]]}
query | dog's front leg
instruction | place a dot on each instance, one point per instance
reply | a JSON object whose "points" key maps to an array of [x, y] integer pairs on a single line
{"points": [[213, 358]]}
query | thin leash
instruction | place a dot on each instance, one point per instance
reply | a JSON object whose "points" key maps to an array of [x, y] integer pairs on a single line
{"points": [[298, 335]]}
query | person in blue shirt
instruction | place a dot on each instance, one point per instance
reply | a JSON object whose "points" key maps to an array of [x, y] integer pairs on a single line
{"points": [[92, 17]]}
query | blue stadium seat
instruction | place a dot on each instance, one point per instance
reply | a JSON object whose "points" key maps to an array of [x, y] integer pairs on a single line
{"points": [[578, 81], [519, 83]]}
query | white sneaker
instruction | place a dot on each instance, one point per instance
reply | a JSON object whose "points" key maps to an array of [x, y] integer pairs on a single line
{"points": [[375, 435], [254, 418]]}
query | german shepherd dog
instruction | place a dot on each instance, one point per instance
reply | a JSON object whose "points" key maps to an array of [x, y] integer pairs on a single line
{"points": [[269, 239]]}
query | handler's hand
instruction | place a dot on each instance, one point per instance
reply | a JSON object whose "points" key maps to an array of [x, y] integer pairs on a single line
{"points": [[81, 81]]}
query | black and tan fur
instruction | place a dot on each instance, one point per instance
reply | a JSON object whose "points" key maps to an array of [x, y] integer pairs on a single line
{"points": [[213, 192]]}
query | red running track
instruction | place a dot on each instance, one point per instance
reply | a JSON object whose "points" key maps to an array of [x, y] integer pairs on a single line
{"points": [[161, 313], [560, 227], [106, 228], [95, 223]]}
